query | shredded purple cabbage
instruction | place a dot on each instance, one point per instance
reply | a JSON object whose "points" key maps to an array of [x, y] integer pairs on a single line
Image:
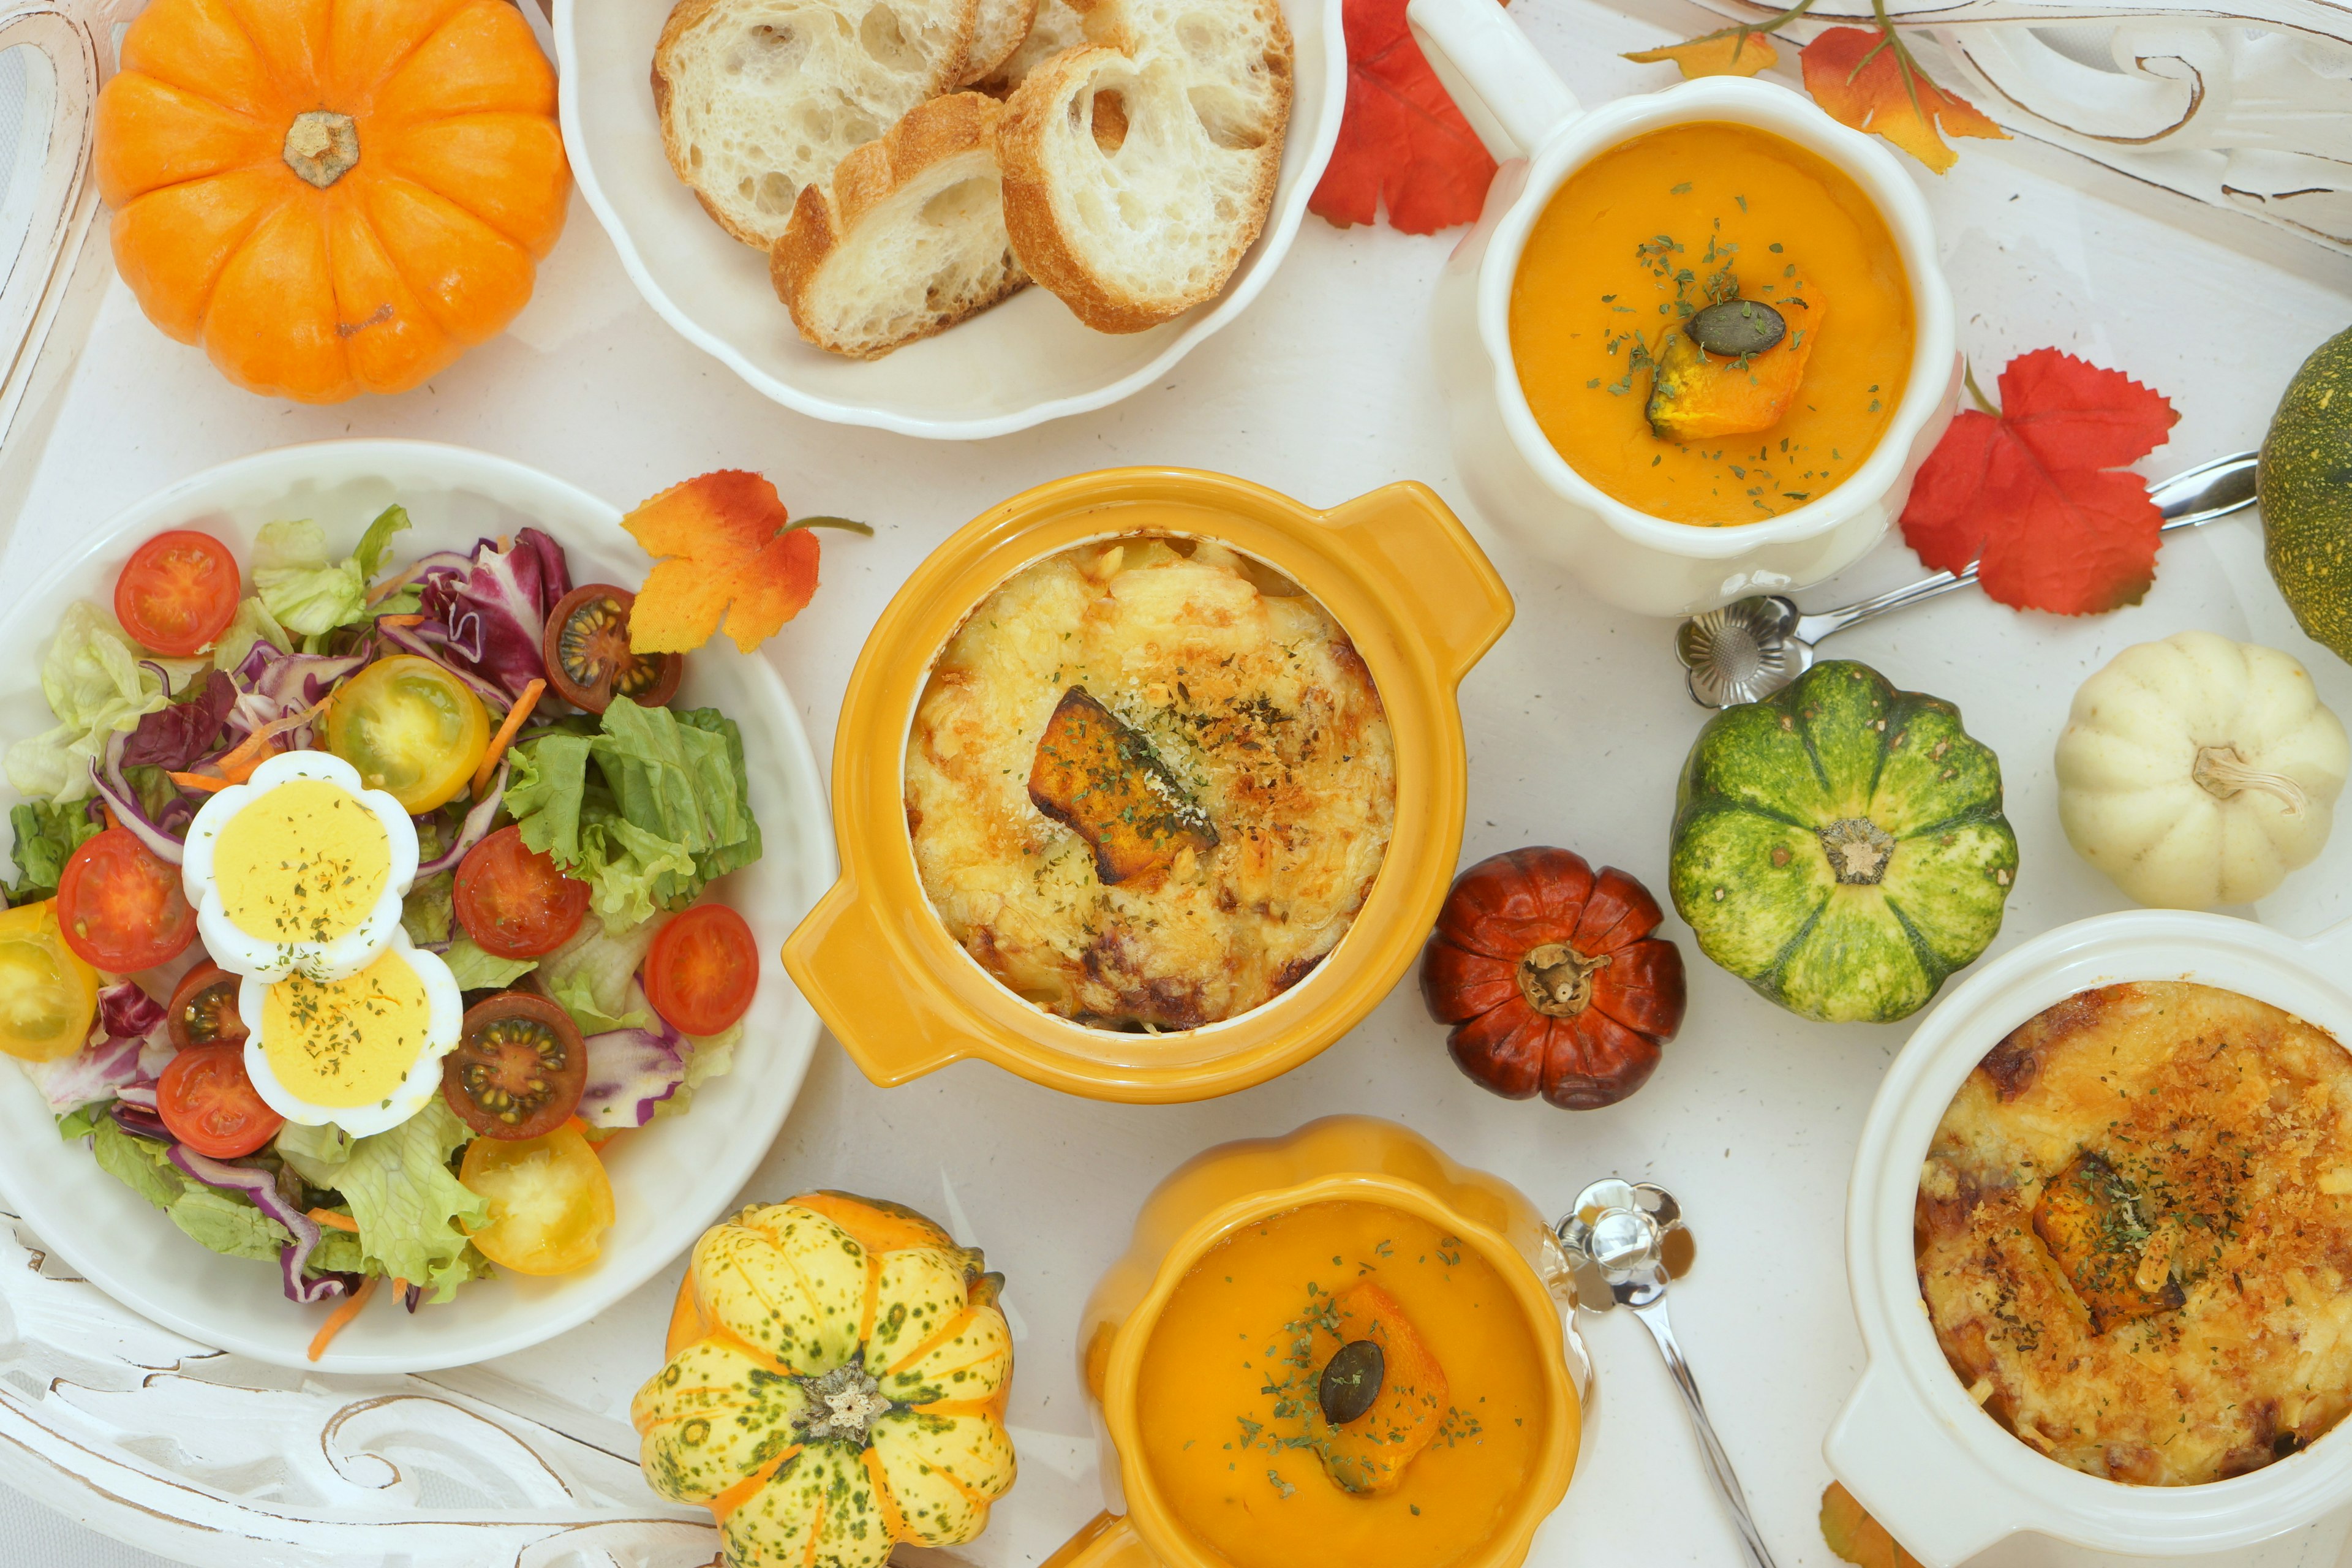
{"points": [[128, 1044], [272, 684], [179, 735], [138, 1122], [488, 616], [261, 1188], [166, 832], [141, 1095], [630, 1071], [470, 832]]}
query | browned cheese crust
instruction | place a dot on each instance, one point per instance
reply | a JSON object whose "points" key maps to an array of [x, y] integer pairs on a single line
{"points": [[2134, 1233], [1267, 744]]}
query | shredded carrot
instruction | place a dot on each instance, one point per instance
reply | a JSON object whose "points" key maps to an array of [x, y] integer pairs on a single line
{"points": [[255, 749], [499, 743], [400, 620], [339, 1319], [335, 1221], [107, 811], [204, 783]]}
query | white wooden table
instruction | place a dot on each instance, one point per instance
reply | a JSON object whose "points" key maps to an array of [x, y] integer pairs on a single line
{"points": [[1577, 723]]}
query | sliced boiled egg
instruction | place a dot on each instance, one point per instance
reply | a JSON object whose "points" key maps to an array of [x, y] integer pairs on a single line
{"points": [[298, 869], [365, 1051]]}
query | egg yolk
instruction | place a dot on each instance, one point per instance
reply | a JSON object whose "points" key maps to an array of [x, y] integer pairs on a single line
{"points": [[347, 1042], [306, 862]]}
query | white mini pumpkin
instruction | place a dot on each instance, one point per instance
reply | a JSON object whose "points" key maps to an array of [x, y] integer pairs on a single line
{"points": [[2198, 771]]}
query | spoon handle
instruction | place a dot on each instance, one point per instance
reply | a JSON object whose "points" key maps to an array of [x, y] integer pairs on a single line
{"points": [[2197, 496], [1719, 1463]]}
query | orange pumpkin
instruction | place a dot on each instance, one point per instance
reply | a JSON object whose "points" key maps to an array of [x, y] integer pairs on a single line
{"points": [[332, 196]]}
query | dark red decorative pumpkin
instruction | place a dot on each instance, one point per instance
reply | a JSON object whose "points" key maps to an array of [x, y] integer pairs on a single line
{"points": [[1551, 979]]}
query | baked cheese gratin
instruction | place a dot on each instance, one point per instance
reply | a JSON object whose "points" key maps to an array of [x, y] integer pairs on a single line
{"points": [[1149, 783], [2134, 1230]]}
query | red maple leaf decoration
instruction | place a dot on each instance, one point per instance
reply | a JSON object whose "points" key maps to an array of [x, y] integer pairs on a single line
{"points": [[2031, 494], [1401, 137]]}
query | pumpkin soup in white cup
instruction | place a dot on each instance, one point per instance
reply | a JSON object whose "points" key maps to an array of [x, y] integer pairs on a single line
{"points": [[1581, 475]]}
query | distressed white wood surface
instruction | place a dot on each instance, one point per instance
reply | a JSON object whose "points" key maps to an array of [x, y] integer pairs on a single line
{"points": [[1577, 723]]}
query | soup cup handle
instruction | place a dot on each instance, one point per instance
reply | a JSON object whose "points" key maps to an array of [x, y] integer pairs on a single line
{"points": [[1511, 98], [1884, 1448], [1414, 543], [1110, 1541], [844, 963]]}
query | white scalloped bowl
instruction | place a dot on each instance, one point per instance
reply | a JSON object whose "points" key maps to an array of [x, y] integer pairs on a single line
{"points": [[1022, 364], [670, 1180]]}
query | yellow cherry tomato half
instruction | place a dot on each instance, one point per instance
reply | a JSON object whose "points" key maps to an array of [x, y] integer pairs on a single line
{"points": [[411, 728], [549, 1201], [47, 993]]}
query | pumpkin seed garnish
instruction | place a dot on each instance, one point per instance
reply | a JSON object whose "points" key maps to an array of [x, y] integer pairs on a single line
{"points": [[1351, 1381], [1737, 327]]}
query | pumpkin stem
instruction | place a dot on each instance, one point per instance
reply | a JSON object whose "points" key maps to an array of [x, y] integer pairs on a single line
{"points": [[1858, 849], [1556, 979], [2223, 773], [322, 146]]}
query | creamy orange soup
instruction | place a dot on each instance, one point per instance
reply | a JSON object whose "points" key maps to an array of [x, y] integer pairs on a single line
{"points": [[1657, 228], [1234, 1437]]}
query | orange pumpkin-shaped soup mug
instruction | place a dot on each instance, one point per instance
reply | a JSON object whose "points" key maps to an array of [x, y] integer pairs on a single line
{"points": [[334, 197], [1328, 1350]]}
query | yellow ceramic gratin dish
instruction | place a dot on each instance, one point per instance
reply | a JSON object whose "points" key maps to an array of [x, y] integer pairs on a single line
{"points": [[1342, 1159], [1411, 590]]}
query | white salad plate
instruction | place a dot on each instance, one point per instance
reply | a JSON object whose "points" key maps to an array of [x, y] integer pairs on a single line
{"points": [[671, 1178], [1019, 364]]}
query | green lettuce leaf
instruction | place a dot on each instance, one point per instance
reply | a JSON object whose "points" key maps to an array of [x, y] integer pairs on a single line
{"points": [[99, 683], [398, 1186], [589, 976], [138, 1163], [309, 595], [46, 836], [225, 1222], [82, 1121], [477, 969], [369, 556], [426, 912], [254, 624]]}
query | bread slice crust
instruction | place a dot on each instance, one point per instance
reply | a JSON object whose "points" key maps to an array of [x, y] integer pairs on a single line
{"points": [[886, 187]]}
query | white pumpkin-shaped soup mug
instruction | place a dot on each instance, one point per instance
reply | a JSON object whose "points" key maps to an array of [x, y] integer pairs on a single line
{"points": [[1535, 127]]}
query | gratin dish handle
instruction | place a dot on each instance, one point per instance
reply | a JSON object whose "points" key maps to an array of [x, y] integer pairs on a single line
{"points": [[1513, 100], [1413, 541], [1892, 1452], [844, 963], [1109, 1542]]}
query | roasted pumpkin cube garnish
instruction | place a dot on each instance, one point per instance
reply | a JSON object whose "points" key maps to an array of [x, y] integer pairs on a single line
{"points": [[1696, 396], [1103, 781], [1368, 1453], [2091, 1219]]}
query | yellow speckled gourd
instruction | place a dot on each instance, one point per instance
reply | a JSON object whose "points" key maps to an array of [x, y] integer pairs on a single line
{"points": [[838, 1369]]}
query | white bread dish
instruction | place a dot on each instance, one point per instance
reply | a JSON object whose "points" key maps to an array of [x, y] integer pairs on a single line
{"points": [[761, 99], [906, 240], [1139, 168]]}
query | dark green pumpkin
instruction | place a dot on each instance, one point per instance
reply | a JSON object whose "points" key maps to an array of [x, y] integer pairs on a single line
{"points": [[2305, 486], [1840, 844]]}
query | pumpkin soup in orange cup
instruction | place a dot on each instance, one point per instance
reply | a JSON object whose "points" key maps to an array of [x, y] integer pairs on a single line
{"points": [[1334, 1348]]}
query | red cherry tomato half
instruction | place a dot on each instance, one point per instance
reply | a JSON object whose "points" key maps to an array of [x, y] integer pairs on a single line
{"points": [[203, 1009], [208, 1103], [120, 906], [702, 970], [513, 900], [178, 592]]}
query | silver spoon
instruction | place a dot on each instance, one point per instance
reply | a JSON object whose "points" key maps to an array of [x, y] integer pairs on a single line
{"points": [[1753, 646], [1615, 1241]]}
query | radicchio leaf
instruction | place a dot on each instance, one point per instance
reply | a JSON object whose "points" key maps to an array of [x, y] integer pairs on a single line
{"points": [[261, 1188], [489, 619], [166, 833], [272, 684], [180, 735]]}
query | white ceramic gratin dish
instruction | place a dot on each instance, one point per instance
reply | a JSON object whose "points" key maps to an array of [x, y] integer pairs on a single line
{"points": [[1910, 1419], [1022, 364], [669, 1180]]}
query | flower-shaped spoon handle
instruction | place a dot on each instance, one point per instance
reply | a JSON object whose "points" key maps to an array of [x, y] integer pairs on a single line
{"points": [[1615, 1240]]}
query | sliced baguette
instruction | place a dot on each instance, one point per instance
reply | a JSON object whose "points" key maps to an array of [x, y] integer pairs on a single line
{"points": [[1000, 29], [759, 98], [907, 239], [1138, 168], [1052, 28]]}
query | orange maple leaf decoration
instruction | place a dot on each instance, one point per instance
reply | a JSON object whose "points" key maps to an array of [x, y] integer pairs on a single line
{"points": [[1401, 140], [724, 546], [1732, 52], [1854, 1535], [1866, 78]]}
